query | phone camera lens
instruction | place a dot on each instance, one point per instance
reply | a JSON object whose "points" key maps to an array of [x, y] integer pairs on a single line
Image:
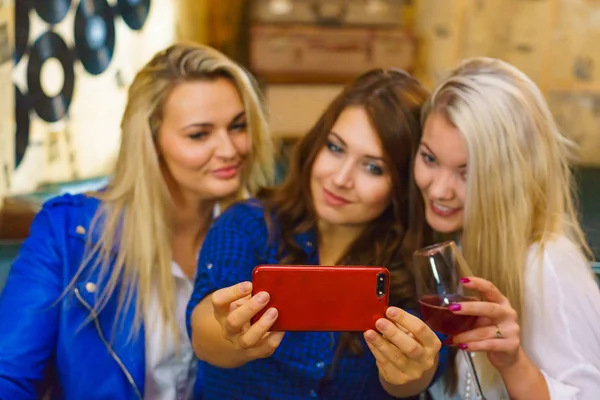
{"points": [[380, 286]]}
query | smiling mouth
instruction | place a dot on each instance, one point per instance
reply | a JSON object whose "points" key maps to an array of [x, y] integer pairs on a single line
{"points": [[227, 172], [443, 210], [334, 200]]}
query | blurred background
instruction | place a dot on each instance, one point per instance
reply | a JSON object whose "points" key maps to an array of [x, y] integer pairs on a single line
{"points": [[65, 66]]}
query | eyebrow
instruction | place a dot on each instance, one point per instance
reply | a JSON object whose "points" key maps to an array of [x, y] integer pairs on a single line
{"points": [[346, 145], [205, 125], [433, 154]]}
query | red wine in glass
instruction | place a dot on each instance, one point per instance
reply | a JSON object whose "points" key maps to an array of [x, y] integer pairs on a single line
{"points": [[436, 315], [438, 270]]}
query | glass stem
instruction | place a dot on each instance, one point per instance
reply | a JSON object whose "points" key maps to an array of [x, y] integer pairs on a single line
{"points": [[477, 384]]}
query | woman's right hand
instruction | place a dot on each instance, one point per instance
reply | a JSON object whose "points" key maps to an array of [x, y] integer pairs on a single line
{"points": [[234, 307]]}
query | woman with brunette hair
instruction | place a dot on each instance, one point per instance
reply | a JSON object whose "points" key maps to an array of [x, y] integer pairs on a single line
{"points": [[349, 199]]}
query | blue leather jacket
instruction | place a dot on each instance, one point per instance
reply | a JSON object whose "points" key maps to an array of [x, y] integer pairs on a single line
{"points": [[57, 344]]}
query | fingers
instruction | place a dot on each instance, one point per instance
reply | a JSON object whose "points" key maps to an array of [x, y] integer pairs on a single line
{"points": [[482, 321], [253, 335], [509, 345], [487, 332], [394, 366], [414, 325], [222, 298], [383, 364], [269, 343], [398, 342], [493, 311], [257, 342], [244, 313], [388, 350], [487, 288], [234, 308]]}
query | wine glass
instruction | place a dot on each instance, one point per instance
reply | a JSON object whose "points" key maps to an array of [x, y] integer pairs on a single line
{"points": [[438, 269]]}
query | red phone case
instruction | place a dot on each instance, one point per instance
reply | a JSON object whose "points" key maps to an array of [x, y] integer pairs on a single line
{"points": [[323, 298]]}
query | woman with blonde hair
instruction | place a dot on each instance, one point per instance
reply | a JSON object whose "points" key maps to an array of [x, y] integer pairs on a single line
{"points": [[494, 170], [94, 306]]}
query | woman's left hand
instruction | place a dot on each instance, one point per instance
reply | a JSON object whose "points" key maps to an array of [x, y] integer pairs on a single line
{"points": [[405, 349], [496, 329]]}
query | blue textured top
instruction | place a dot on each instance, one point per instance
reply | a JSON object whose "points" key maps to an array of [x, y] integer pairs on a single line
{"points": [[235, 244]]}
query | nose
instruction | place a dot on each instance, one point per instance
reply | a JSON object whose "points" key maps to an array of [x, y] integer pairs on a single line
{"points": [[343, 177], [442, 186], [225, 148]]}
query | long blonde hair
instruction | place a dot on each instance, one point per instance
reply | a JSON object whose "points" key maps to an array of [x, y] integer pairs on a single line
{"points": [[135, 211], [520, 189]]}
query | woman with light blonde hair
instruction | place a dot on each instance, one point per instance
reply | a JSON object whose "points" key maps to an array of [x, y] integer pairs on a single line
{"points": [[94, 306], [494, 171]]}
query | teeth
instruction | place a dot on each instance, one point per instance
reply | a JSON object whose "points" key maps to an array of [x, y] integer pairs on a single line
{"points": [[442, 208]]}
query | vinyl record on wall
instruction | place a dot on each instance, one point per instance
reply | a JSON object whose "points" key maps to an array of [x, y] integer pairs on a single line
{"points": [[94, 35], [134, 12], [22, 108], [22, 8], [52, 11], [50, 108]]}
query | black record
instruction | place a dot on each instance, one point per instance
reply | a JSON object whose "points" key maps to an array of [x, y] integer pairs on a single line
{"points": [[22, 108], [50, 45], [94, 35], [52, 11], [134, 12], [22, 8]]}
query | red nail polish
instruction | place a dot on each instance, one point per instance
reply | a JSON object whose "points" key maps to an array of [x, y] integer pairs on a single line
{"points": [[465, 280], [454, 307], [462, 346]]}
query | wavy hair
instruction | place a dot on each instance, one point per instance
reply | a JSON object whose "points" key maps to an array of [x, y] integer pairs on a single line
{"points": [[393, 101]]}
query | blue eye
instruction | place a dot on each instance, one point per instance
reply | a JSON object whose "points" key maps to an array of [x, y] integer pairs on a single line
{"points": [[374, 169], [334, 148], [429, 159]]}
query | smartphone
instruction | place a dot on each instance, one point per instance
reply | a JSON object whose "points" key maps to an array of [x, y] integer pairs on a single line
{"points": [[323, 298]]}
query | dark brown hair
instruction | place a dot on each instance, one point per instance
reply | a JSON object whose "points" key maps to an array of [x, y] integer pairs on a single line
{"points": [[393, 101]]}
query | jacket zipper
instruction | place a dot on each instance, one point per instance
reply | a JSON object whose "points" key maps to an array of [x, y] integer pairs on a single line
{"points": [[108, 346]]}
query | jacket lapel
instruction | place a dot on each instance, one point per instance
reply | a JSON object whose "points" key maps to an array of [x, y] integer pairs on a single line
{"points": [[127, 350], [115, 332]]}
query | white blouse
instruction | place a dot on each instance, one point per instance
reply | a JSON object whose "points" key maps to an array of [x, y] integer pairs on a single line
{"points": [[560, 329], [170, 376]]}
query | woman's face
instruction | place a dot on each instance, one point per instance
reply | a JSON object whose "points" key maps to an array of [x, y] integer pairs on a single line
{"points": [[350, 182], [203, 140], [441, 173]]}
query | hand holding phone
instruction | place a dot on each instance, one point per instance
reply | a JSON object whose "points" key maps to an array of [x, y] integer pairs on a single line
{"points": [[404, 347], [323, 298], [234, 307]]}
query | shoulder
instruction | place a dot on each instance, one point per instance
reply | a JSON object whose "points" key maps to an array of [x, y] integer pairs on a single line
{"points": [[60, 219], [248, 215], [68, 210], [560, 299], [71, 203], [557, 272], [235, 243], [558, 255]]}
